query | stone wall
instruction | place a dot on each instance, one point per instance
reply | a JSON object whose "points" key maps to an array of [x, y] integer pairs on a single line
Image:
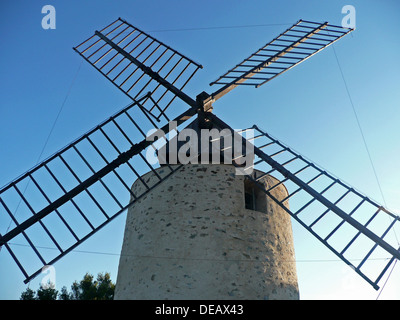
{"points": [[192, 238]]}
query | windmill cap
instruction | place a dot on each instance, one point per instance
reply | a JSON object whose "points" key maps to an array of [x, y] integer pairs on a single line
{"points": [[204, 145]]}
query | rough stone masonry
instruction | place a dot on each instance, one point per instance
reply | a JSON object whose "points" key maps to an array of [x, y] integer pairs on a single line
{"points": [[193, 238]]}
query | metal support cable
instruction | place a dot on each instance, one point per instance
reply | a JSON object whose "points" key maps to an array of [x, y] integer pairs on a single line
{"points": [[370, 159], [359, 126], [48, 138]]}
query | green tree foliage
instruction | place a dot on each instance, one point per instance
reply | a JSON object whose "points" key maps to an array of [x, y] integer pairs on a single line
{"points": [[47, 293], [89, 288], [28, 294]]}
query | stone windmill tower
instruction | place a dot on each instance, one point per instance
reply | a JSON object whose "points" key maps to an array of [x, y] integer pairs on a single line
{"points": [[207, 232], [202, 223]]}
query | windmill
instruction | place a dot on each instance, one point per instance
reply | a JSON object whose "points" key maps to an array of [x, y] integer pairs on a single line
{"points": [[84, 186]]}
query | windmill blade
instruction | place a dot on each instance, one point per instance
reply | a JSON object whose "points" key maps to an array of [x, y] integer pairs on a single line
{"points": [[298, 43], [136, 63], [351, 225], [60, 203]]}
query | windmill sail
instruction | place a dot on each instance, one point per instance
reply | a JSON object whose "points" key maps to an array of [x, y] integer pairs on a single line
{"points": [[298, 43], [54, 207], [61, 202], [137, 63], [351, 225]]}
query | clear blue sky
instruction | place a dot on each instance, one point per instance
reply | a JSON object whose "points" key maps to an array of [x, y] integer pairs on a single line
{"points": [[307, 108]]}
